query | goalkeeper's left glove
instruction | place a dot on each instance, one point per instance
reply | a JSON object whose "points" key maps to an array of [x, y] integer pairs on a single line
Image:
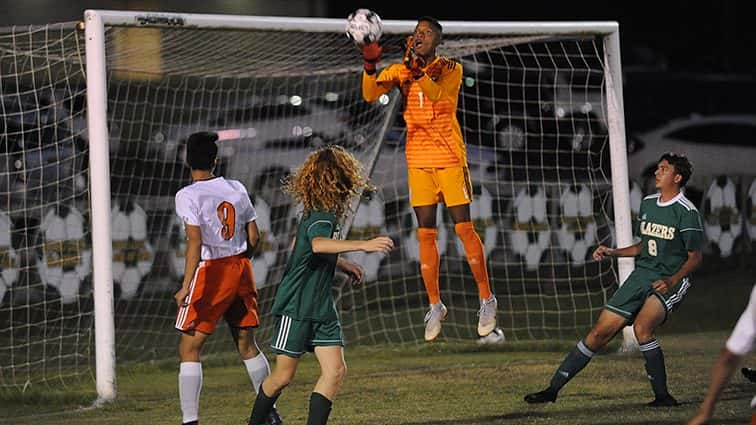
{"points": [[371, 53]]}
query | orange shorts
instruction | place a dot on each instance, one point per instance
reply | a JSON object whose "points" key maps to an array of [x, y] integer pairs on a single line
{"points": [[223, 287], [429, 186]]}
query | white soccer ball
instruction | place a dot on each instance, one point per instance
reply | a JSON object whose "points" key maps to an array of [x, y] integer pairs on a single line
{"points": [[363, 27], [495, 337]]}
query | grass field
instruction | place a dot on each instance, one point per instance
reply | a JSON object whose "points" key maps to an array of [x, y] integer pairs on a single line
{"points": [[435, 384], [440, 383]]}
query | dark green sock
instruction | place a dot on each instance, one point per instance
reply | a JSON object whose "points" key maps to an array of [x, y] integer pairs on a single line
{"points": [[320, 408], [657, 372], [261, 409], [571, 365]]}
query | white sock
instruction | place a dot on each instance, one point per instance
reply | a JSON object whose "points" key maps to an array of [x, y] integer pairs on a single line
{"points": [[258, 368], [190, 384]]}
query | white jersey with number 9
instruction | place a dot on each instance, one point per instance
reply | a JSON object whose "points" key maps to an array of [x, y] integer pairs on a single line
{"points": [[222, 209]]}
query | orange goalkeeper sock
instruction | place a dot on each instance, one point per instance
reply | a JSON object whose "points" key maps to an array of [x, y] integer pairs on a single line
{"points": [[429, 262], [475, 256]]}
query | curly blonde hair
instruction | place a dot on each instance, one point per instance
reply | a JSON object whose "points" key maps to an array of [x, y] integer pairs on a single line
{"points": [[328, 180]]}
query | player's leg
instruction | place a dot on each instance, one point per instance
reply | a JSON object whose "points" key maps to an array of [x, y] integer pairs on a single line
{"points": [[424, 196], [289, 340], [429, 269], [606, 327], [332, 374], [270, 390], [618, 311], [457, 191], [242, 319], [255, 362], [196, 321], [190, 374], [651, 316], [429, 257]]}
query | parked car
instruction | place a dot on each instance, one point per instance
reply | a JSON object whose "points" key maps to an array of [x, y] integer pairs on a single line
{"points": [[715, 144], [275, 133]]}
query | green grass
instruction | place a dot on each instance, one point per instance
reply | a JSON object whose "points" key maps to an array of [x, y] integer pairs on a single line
{"points": [[441, 383], [427, 385]]}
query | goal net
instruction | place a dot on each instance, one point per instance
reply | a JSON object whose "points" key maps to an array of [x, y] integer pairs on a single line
{"points": [[533, 110]]}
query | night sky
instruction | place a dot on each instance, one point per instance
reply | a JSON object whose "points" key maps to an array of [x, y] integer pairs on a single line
{"points": [[700, 36]]}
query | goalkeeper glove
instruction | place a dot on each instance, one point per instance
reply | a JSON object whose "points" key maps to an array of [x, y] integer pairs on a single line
{"points": [[434, 70], [412, 61], [371, 53]]}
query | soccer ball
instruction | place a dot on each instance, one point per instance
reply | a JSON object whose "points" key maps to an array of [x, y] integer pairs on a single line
{"points": [[495, 337], [363, 27]]}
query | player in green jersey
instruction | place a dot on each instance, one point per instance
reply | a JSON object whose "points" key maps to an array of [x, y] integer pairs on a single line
{"points": [[305, 312], [669, 250]]}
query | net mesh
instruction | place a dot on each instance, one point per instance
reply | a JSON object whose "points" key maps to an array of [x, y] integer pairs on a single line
{"points": [[532, 113]]}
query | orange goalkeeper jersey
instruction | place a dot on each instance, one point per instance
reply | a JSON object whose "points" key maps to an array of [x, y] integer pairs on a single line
{"points": [[434, 138]]}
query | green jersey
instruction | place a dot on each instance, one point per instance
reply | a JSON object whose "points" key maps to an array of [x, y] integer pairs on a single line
{"points": [[305, 290], [668, 230]]}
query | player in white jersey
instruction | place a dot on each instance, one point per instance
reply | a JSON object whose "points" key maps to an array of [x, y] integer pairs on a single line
{"points": [[741, 342], [219, 219]]}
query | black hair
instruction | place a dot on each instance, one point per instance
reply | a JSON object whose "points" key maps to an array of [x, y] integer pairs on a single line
{"points": [[433, 22], [201, 150], [682, 165]]}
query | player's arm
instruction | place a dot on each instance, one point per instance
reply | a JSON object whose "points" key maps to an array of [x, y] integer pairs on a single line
{"points": [[695, 258], [373, 86], [691, 234], [253, 237], [322, 245], [629, 251], [353, 270], [738, 345], [446, 87], [721, 374], [249, 214], [192, 259]]}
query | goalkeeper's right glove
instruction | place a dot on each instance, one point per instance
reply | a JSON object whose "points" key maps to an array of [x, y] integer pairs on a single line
{"points": [[371, 53]]}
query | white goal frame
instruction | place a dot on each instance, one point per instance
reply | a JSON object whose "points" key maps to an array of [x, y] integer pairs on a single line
{"points": [[95, 22]]}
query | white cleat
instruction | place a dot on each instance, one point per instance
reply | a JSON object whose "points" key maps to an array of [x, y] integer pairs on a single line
{"points": [[487, 316], [433, 318]]}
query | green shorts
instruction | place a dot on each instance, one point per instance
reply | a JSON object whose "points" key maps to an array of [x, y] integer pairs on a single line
{"points": [[628, 300], [293, 337]]}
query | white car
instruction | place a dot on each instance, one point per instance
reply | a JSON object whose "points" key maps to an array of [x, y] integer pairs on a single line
{"points": [[276, 134], [715, 144]]}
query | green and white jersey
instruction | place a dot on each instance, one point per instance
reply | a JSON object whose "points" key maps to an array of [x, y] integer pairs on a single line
{"points": [[305, 290], [668, 230]]}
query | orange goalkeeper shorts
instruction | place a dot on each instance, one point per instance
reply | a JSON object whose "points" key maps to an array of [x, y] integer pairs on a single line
{"points": [[223, 287], [429, 186]]}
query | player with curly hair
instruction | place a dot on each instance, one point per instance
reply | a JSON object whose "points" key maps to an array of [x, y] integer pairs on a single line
{"points": [[304, 308]]}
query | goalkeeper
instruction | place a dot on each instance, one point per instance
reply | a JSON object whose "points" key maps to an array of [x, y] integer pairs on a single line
{"points": [[436, 159]]}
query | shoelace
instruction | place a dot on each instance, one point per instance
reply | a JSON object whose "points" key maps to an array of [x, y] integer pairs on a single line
{"points": [[483, 307], [428, 315]]}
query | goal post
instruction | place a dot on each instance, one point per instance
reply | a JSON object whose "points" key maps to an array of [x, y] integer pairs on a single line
{"points": [[102, 240]]}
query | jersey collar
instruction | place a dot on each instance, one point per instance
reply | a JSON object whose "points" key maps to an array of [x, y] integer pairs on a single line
{"points": [[670, 202]]}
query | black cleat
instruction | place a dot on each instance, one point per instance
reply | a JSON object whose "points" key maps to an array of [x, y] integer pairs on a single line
{"points": [[663, 401], [545, 396], [749, 373], [274, 418], [190, 423]]}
